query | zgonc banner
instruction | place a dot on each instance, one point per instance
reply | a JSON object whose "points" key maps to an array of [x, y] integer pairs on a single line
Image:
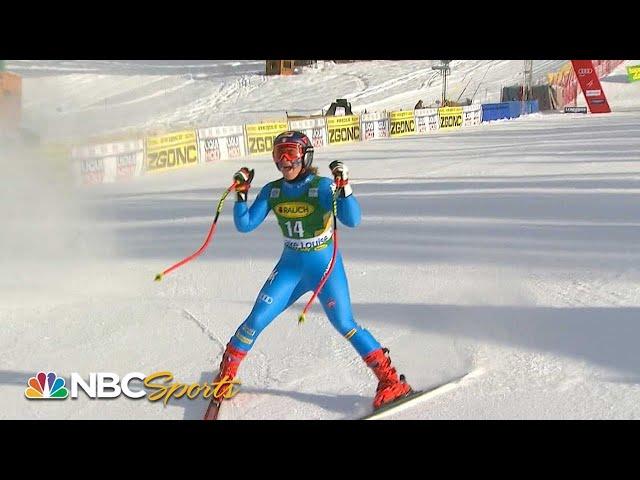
{"points": [[260, 136], [402, 123], [172, 151], [450, 117], [343, 129], [590, 85]]}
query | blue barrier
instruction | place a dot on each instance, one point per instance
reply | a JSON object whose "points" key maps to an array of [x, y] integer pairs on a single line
{"points": [[498, 111], [530, 106], [494, 111], [515, 109]]}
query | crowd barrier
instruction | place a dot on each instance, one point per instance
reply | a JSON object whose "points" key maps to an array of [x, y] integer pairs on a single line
{"points": [[160, 153]]}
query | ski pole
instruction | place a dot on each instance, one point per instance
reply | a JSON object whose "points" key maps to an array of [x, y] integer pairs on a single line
{"points": [[327, 272], [207, 240]]}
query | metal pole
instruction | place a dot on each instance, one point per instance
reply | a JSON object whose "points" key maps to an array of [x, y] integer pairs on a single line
{"points": [[444, 69], [444, 87]]}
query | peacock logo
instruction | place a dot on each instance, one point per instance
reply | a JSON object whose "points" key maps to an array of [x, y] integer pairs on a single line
{"points": [[46, 386]]}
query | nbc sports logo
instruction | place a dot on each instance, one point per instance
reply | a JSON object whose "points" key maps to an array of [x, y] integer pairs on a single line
{"points": [[46, 387]]}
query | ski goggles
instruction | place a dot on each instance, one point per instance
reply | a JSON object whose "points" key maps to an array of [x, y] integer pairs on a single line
{"points": [[288, 152]]}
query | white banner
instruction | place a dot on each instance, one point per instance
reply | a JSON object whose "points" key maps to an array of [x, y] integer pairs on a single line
{"points": [[221, 143], [426, 120], [374, 125], [471, 115], [314, 128], [109, 162]]}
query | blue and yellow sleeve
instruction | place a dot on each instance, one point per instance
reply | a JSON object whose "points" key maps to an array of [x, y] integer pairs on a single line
{"points": [[247, 218], [349, 212]]}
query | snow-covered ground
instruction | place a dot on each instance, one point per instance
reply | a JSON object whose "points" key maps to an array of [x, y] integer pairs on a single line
{"points": [[510, 250]]}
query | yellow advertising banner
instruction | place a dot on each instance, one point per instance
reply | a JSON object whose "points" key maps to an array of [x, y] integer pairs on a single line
{"points": [[171, 151], [343, 129], [260, 136], [450, 117], [633, 73], [402, 123]]}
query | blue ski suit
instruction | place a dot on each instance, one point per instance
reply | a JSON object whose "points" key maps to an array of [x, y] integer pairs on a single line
{"points": [[299, 271]]}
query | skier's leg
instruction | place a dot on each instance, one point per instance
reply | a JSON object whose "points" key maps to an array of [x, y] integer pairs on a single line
{"points": [[300, 290], [336, 302], [272, 300], [337, 305]]}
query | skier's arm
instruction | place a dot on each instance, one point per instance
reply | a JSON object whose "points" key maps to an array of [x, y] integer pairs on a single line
{"points": [[247, 218], [347, 206], [349, 210]]}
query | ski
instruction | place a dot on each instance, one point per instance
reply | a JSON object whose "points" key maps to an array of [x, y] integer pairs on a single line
{"points": [[416, 396], [213, 409]]}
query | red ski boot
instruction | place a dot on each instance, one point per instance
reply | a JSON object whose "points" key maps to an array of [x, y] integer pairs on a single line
{"points": [[390, 387], [231, 359]]}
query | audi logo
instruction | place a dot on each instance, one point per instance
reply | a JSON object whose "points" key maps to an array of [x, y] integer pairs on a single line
{"points": [[585, 71]]}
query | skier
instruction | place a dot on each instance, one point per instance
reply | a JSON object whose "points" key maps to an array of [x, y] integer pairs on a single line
{"points": [[302, 203]]}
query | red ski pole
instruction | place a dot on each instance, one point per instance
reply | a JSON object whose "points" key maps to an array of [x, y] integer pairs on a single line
{"points": [[207, 240], [329, 269]]}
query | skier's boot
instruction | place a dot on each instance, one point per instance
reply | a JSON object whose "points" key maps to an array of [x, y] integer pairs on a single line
{"points": [[231, 359], [390, 387]]}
